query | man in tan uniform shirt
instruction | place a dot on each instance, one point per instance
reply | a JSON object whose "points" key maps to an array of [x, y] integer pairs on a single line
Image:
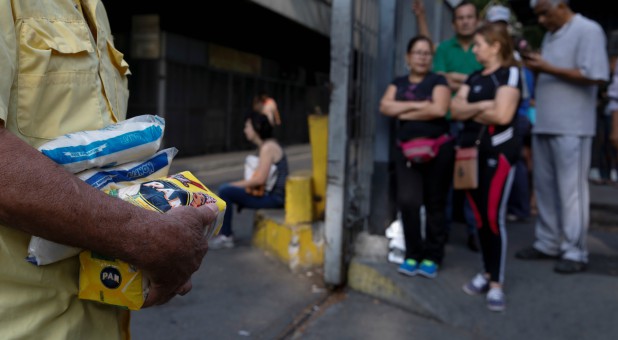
{"points": [[60, 73]]}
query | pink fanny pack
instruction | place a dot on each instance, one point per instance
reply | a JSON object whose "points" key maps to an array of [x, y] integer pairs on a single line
{"points": [[421, 150]]}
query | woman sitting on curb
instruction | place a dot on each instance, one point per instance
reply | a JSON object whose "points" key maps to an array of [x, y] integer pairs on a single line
{"points": [[249, 193]]}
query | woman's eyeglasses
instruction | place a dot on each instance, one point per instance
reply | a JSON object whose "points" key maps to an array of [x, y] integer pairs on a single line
{"points": [[421, 53]]}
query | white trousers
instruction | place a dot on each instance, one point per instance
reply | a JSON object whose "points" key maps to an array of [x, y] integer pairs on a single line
{"points": [[560, 169]]}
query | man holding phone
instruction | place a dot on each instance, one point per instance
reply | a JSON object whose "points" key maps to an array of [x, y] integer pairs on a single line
{"points": [[572, 64]]}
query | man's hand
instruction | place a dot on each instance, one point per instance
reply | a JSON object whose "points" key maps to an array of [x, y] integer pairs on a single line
{"points": [[421, 20], [535, 62], [455, 80], [180, 247], [418, 8]]}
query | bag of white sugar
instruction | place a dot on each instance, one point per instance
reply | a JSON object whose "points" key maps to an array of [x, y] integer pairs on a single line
{"points": [[115, 144]]}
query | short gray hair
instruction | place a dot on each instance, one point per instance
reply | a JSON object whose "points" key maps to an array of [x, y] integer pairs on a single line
{"points": [[553, 3]]}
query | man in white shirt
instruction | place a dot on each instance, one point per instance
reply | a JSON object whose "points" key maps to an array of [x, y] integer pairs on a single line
{"points": [[572, 64]]}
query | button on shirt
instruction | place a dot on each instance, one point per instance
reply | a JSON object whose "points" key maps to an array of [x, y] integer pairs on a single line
{"points": [[60, 73]]}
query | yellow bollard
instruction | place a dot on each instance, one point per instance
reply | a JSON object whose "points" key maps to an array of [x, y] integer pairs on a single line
{"points": [[298, 198], [299, 245], [318, 137]]}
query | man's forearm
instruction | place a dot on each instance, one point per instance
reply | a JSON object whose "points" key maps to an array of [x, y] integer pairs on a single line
{"points": [[572, 75], [423, 27], [421, 19], [42, 199]]}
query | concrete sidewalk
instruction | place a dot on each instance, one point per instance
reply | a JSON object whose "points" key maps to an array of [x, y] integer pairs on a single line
{"points": [[604, 206], [541, 304]]}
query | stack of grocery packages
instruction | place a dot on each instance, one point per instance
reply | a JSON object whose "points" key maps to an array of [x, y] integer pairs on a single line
{"points": [[122, 160]]}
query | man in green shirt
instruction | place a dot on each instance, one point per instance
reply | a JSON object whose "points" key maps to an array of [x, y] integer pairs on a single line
{"points": [[454, 57]]}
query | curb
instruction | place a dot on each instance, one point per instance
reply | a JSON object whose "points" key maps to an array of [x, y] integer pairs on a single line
{"points": [[299, 246], [364, 278]]}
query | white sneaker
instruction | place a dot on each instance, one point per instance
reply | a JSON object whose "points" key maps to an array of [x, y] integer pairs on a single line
{"points": [[221, 241], [496, 301], [478, 285]]}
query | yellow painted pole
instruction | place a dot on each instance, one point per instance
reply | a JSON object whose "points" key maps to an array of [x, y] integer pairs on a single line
{"points": [[298, 198], [318, 137]]}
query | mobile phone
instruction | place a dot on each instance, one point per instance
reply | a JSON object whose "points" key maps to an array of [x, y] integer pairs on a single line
{"points": [[525, 55], [524, 49]]}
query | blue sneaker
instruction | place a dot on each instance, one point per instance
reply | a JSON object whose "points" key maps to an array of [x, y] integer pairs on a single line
{"points": [[408, 267], [428, 269]]}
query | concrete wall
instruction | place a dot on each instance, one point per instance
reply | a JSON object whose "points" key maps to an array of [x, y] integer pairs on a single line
{"points": [[312, 14]]}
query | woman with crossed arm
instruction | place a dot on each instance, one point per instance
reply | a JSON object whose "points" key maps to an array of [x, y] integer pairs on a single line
{"points": [[419, 101], [487, 104]]}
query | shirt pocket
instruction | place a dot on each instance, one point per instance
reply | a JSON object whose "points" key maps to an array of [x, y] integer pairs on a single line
{"points": [[58, 87]]}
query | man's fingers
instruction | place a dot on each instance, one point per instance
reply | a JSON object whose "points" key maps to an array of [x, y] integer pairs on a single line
{"points": [[212, 207], [209, 213], [157, 296], [185, 288]]}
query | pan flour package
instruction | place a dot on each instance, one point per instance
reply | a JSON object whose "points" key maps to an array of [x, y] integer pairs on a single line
{"points": [[115, 282]]}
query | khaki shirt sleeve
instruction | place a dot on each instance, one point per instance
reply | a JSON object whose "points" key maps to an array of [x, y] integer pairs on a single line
{"points": [[8, 56]]}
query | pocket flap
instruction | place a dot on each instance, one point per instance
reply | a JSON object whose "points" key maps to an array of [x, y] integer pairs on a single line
{"points": [[118, 59], [62, 36]]}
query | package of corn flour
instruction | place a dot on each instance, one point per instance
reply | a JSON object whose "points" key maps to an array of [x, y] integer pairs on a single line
{"points": [[42, 251], [119, 143], [115, 282], [111, 281], [172, 191]]}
